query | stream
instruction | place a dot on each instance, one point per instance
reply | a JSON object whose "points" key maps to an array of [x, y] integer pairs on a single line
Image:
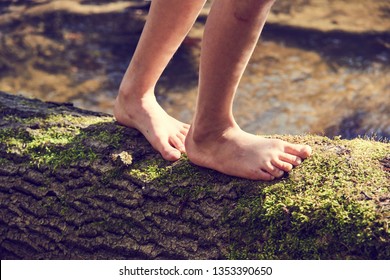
{"points": [[300, 79]]}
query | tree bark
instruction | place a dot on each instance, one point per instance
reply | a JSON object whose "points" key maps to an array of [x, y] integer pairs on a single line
{"points": [[74, 184]]}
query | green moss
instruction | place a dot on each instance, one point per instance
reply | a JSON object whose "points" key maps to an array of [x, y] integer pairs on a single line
{"points": [[148, 170], [321, 209], [56, 140], [59, 119], [107, 138], [182, 178], [151, 169]]}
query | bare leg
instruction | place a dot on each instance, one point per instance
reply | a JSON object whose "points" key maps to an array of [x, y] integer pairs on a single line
{"points": [[168, 23], [215, 140]]}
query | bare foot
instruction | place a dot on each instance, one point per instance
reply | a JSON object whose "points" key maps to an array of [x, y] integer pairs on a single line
{"points": [[164, 133], [237, 153]]}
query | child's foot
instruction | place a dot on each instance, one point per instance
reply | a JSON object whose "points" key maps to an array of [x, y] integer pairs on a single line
{"points": [[164, 133], [237, 153]]}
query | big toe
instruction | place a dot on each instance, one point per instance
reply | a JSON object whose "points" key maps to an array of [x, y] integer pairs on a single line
{"points": [[302, 151], [167, 151], [170, 153], [178, 143], [306, 151]]}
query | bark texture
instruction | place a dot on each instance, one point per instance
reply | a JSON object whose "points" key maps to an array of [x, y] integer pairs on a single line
{"points": [[76, 185]]}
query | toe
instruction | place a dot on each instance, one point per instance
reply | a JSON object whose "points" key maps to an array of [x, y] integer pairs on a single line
{"points": [[167, 151], [170, 154], [307, 151], [291, 159], [184, 130], [178, 143], [302, 151], [255, 174], [186, 126], [282, 165], [182, 138], [273, 170], [263, 175]]}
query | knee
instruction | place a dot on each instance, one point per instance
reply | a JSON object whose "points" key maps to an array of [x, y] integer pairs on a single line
{"points": [[247, 10]]}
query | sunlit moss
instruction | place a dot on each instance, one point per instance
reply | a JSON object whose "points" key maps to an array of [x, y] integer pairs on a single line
{"points": [[55, 140], [326, 208]]}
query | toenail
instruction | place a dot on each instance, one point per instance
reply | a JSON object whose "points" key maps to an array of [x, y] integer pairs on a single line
{"points": [[299, 161]]}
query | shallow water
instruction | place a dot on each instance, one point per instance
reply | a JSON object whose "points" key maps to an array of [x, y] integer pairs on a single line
{"points": [[299, 80]]}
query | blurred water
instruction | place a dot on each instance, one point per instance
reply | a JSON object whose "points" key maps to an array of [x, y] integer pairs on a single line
{"points": [[299, 80]]}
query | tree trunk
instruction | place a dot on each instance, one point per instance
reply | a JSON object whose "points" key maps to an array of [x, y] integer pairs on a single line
{"points": [[75, 184]]}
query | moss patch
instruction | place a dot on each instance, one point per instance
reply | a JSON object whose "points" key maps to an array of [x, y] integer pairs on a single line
{"points": [[55, 140], [329, 207]]}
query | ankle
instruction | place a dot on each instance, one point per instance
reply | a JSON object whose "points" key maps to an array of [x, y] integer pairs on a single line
{"points": [[204, 132], [130, 90], [134, 96]]}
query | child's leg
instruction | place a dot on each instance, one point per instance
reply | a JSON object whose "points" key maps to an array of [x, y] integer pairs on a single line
{"points": [[167, 25], [215, 140]]}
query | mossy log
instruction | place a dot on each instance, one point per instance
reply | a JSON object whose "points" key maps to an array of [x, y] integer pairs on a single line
{"points": [[74, 184]]}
